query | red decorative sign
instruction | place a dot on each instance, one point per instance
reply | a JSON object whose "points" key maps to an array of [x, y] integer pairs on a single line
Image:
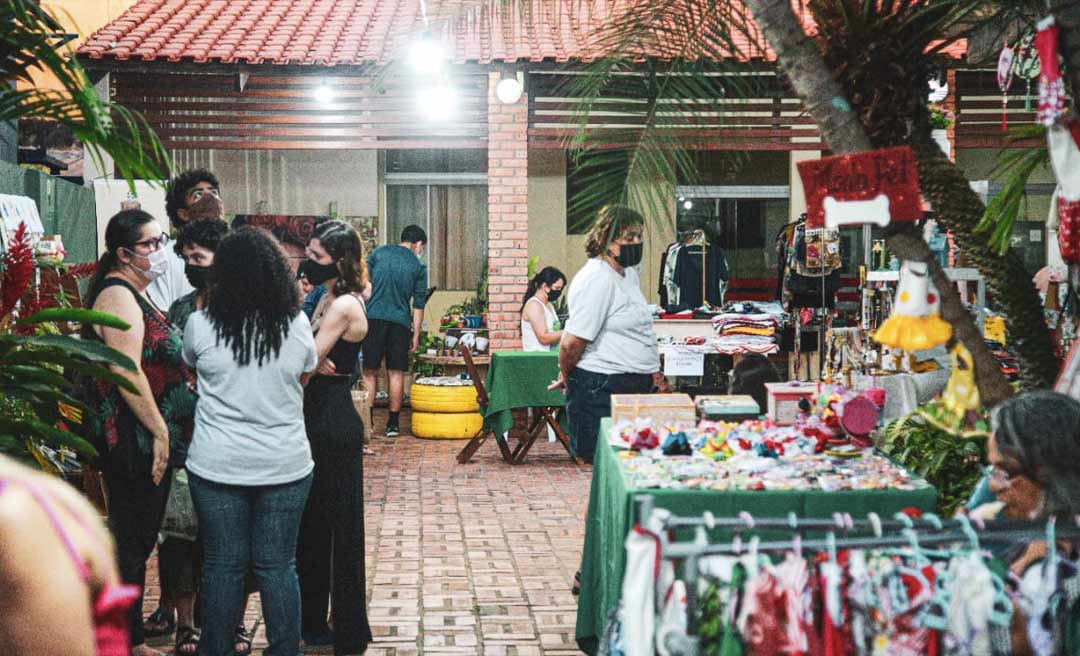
{"points": [[876, 186]]}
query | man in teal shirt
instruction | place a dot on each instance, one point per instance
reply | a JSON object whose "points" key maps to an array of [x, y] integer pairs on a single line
{"points": [[395, 314]]}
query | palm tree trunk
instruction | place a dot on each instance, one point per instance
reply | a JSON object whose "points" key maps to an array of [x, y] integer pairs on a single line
{"points": [[823, 98]]}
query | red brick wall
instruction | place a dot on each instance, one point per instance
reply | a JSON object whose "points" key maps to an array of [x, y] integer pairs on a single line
{"points": [[949, 104], [508, 217]]}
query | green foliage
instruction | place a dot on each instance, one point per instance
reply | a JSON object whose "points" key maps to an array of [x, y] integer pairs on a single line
{"points": [[1014, 169], [31, 41], [419, 368], [950, 462], [33, 386]]}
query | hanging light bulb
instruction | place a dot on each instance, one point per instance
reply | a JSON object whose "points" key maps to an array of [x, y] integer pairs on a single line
{"points": [[688, 205], [438, 101], [426, 55], [323, 94]]}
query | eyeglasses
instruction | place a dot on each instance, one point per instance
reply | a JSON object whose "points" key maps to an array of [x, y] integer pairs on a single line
{"points": [[153, 244]]}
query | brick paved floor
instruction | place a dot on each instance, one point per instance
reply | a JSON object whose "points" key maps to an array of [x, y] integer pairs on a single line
{"points": [[466, 559]]}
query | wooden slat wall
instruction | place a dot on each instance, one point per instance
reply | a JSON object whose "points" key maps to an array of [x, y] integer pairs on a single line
{"points": [[281, 112], [979, 111], [774, 121]]}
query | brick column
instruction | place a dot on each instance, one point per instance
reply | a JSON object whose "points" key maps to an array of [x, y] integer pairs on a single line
{"points": [[952, 104], [508, 217]]}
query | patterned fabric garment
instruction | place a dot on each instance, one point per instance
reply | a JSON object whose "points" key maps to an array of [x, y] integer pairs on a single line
{"points": [[777, 613], [172, 384]]}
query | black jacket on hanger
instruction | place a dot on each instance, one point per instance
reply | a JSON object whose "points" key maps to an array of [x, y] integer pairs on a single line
{"points": [[689, 279]]}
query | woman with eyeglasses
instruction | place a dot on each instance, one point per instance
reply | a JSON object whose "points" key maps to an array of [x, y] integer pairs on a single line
{"points": [[1034, 473], [133, 428]]}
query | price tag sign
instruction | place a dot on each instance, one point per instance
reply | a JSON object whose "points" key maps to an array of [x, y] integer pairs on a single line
{"points": [[680, 362]]}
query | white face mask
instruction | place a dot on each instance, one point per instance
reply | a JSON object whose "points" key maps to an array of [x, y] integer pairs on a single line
{"points": [[159, 264]]}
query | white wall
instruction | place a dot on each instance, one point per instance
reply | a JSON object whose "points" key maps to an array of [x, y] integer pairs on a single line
{"points": [[292, 181]]}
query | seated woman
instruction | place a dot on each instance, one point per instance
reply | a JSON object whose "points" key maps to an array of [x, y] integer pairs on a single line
{"points": [[539, 330], [1034, 453], [749, 377]]}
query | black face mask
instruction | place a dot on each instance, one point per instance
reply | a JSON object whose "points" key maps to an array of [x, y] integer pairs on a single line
{"points": [[630, 255], [553, 295], [317, 273], [196, 275]]}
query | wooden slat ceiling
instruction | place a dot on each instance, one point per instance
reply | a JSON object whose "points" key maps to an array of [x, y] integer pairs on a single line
{"points": [[283, 112], [774, 120]]}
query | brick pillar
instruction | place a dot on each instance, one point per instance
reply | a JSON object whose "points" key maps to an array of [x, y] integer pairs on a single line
{"points": [[952, 104], [508, 217]]}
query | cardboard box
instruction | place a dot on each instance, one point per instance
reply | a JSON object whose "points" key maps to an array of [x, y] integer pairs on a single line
{"points": [[661, 408], [784, 400], [728, 407]]}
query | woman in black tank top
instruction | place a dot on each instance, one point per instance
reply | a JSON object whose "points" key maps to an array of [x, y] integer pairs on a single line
{"points": [[333, 522]]}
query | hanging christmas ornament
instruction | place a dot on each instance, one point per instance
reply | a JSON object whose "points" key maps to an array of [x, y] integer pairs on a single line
{"points": [[1051, 83], [914, 324], [1027, 66], [876, 186], [1064, 143], [1004, 80]]}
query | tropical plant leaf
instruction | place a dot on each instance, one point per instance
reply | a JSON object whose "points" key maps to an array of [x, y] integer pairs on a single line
{"points": [[80, 315], [33, 429], [69, 363], [1014, 169], [94, 351]]}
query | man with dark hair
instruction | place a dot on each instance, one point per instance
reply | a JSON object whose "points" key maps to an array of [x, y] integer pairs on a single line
{"points": [[397, 277], [196, 244], [191, 195]]}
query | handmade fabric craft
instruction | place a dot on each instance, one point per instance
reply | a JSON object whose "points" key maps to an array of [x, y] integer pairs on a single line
{"points": [[915, 324], [1051, 83], [1064, 143]]}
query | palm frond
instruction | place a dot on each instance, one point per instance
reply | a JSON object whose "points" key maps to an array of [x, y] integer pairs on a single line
{"points": [[29, 44], [1014, 169]]}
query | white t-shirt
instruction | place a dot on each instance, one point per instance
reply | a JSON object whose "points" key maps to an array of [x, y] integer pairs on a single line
{"points": [[610, 312], [171, 285], [529, 340], [249, 421]]}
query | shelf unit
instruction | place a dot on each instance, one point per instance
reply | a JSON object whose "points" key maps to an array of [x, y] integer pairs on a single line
{"points": [[966, 276]]}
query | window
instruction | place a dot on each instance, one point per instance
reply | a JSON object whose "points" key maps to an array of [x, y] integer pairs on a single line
{"points": [[455, 219], [445, 193], [743, 221]]}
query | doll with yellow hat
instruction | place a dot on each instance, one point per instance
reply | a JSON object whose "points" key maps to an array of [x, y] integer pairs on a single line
{"points": [[914, 324]]}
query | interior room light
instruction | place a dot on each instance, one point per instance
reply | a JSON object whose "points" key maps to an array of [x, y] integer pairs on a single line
{"points": [[687, 205], [510, 88]]}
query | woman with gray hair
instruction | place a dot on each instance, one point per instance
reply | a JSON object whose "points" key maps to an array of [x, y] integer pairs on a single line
{"points": [[1034, 455]]}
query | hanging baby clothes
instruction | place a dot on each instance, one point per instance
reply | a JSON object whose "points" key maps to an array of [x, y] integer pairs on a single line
{"points": [[808, 264], [648, 579]]}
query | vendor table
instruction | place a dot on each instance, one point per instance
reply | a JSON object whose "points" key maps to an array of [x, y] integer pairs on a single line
{"points": [[610, 517], [518, 379]]}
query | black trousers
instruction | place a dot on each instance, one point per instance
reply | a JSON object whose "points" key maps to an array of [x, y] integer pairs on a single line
{"points": [[136, 507], [330, 552]]}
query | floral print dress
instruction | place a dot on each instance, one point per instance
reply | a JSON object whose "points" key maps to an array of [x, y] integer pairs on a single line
{"points": [[172, 384]]}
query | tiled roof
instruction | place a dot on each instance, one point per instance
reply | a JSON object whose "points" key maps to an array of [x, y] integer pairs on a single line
{"points": [[341, 32], [331, 32]]}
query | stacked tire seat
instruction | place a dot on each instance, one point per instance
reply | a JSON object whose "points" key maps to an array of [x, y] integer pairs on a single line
{"points": [[444, 408]]}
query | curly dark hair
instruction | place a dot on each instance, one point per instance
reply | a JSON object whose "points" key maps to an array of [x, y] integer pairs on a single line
{"points": [[341, 242], [253, 295], [177, 190], [207, 233]]}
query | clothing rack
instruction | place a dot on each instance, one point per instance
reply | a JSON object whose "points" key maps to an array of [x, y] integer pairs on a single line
{"points": [[908, 532]]}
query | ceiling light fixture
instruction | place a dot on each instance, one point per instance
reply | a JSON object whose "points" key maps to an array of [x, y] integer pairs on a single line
{"points": [[438, 101], [323, 93], [510, 88]]}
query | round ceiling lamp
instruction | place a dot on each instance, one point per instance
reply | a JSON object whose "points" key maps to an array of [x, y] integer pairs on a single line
{"points": [[509, 89]]}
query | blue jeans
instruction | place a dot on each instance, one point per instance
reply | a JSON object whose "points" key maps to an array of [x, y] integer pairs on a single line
{"points": [[244, 527], [588, 400]]}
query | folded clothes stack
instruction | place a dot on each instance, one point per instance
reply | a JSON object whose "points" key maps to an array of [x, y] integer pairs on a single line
{"points": [[754, 333]]}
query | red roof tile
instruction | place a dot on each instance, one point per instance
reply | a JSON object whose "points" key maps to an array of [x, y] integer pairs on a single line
{"points": [[342, 32]]}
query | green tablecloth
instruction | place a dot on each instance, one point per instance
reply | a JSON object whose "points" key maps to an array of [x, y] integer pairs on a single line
{"points": [[611, 516], [517, 379]]}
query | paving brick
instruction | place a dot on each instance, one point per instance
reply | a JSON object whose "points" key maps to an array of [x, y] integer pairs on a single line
{"points": [[464, 559]]}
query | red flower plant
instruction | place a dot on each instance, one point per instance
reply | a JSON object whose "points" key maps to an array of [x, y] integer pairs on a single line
{"points": [[18, 270]]}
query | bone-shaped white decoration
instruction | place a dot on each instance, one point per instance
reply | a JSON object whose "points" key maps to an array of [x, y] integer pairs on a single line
{"points": [[849, 212]]}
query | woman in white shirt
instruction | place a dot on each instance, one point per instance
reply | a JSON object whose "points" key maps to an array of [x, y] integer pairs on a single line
{"points": [[249, 465], [540, 329]]}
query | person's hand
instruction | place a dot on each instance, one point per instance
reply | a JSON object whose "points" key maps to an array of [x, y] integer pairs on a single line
{"points": [[161, 458], [327, 367], [659, 382], [558, 384], [415, 346]]}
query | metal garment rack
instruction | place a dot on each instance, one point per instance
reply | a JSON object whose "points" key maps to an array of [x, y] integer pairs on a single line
{"points": [[870, 533]]}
